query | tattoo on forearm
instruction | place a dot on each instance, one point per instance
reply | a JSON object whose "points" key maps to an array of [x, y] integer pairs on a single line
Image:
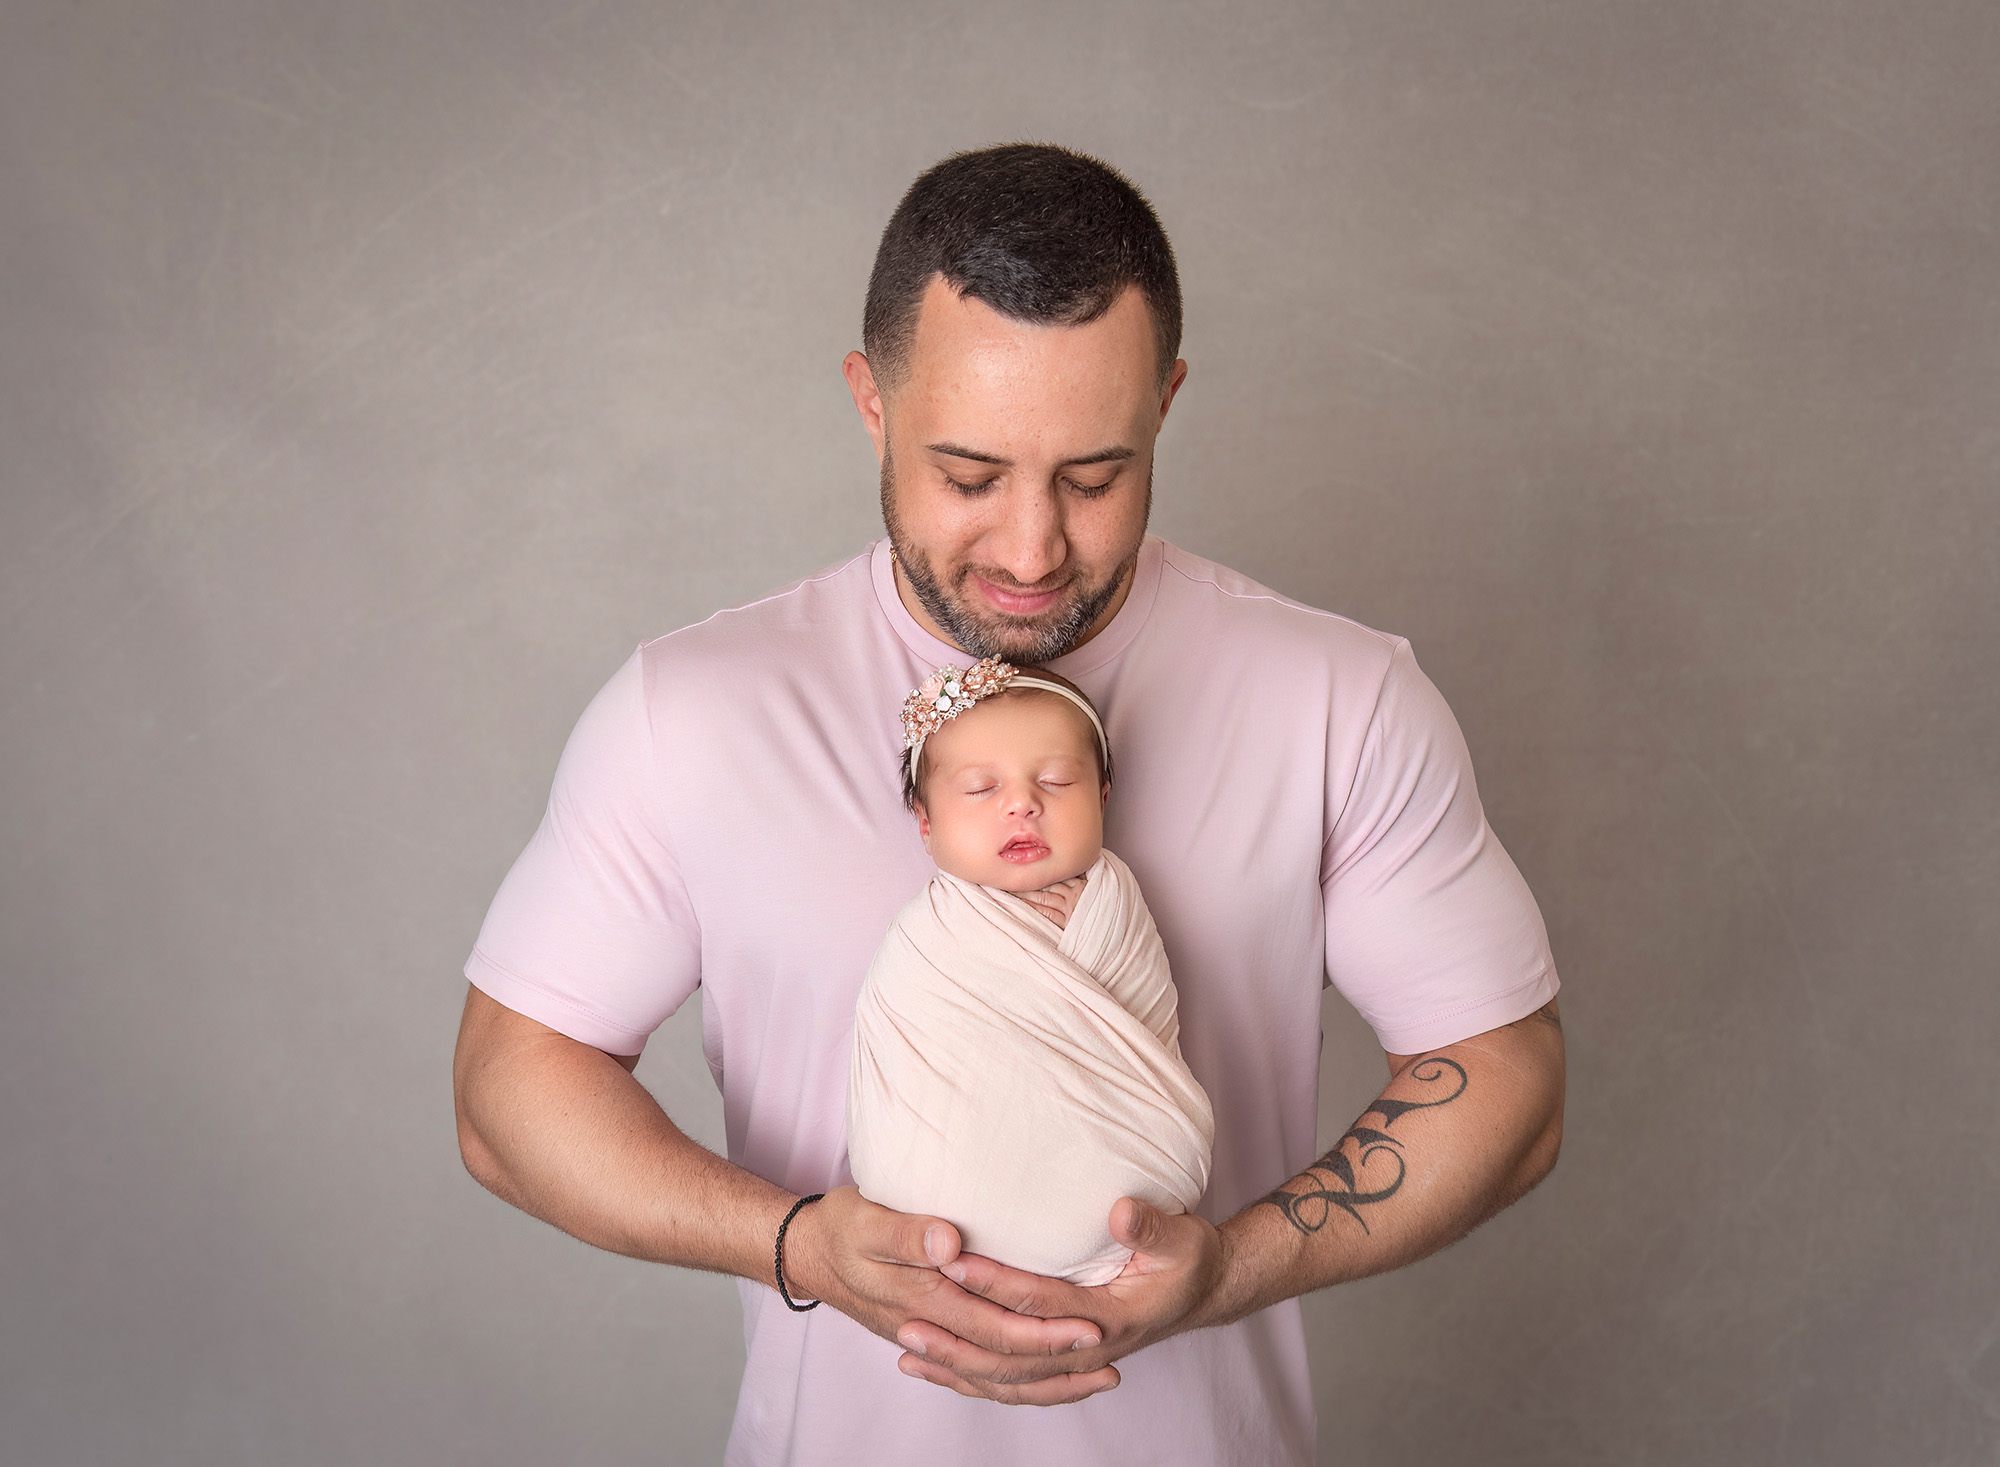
{"points": [[1337, 1181]]}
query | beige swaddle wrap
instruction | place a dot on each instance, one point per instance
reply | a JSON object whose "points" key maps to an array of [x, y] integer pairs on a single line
{"points": [[1017, 1079]]}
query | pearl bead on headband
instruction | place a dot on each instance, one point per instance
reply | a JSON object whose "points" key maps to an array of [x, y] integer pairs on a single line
{"points": [[950, 691]]}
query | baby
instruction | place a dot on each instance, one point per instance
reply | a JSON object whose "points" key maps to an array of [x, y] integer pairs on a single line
{"points": [[1017, 1065]]}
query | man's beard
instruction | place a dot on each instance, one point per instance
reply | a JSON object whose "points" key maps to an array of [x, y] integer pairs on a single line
{"points": [[1021, 639]]}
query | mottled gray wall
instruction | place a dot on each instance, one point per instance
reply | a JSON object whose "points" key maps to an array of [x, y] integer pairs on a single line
{"points": [[373, 376]]}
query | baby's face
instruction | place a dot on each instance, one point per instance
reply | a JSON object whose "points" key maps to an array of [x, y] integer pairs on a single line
{"points": [[1012, 797]]}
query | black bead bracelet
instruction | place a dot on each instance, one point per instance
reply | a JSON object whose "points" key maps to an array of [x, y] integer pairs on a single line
{"points": [[778, 1257]]}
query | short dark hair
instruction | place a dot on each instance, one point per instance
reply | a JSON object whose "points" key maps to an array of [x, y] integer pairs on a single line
{"points": [[1037, 232], [915, 772]]}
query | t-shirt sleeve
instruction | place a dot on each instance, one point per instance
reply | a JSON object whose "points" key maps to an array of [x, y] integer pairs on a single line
{"points": [[592, 932], [1431, 933]]}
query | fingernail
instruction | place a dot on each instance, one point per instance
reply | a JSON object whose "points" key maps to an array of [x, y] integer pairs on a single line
{"points": [[955, 1271], [934, 1243], [1084, 1342], [911, 1343]]}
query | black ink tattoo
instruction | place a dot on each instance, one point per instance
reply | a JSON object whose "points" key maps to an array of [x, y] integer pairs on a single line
{"points": [[1308, 1211]]}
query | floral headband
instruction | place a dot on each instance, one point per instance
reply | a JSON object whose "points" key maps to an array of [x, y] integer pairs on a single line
{"points": [[950, 691]]}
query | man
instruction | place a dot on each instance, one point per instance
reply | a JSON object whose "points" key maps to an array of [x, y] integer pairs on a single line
{"points": [[1292, 793]]}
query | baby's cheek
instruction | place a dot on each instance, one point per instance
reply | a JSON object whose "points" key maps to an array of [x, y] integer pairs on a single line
{"points": [[956, 850]]}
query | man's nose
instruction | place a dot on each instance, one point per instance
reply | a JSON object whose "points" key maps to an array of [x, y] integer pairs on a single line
{"points": [[1029, 543]]}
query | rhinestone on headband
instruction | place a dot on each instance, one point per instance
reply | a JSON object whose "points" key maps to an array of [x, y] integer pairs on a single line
{"points": [[949, 692]]}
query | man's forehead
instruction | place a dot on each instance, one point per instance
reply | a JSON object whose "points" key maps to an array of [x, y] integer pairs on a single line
{"points": [[959, 335], [977, 378]]}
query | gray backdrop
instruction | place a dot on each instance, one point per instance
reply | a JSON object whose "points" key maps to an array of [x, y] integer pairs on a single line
{"points": [[373, 376]]}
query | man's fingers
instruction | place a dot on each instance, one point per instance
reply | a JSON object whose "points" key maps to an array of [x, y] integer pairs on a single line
{"points": [[930, 1299], [908, 1238], [1018, 1292], [1138, 1225], [1056, 1390], [993, 1343], [940, 1243], [955, 1315], [971, 1363]]}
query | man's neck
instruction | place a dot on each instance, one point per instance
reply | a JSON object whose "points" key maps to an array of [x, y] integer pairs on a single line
{"points": [[907, 594]]}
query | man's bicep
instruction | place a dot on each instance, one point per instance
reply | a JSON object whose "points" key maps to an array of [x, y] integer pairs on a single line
{"points": [[592, 931], [1547, 1017], [1431, 933], [488, 1029]]}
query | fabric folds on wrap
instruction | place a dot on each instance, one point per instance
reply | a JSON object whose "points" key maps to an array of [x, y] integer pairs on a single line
{"points": [[1017, 1079]]}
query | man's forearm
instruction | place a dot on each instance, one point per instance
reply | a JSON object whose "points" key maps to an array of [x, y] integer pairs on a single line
{"points": [[564, 1132], [1456, 1136]]}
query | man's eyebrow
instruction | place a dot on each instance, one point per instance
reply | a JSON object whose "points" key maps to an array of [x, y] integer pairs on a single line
{"points": [[1102, 456], [953, 450]]}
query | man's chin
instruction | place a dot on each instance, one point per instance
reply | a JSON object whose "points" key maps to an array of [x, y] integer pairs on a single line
{"points": [[1019, 639], [1042, 637], [985, 631], [1009, 643]]}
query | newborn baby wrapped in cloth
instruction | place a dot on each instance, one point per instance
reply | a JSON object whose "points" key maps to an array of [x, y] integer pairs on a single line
{"points": [[1016, 1078]]}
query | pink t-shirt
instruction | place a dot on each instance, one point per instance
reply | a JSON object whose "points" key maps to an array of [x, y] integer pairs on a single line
{"points": [[1294, 797]]}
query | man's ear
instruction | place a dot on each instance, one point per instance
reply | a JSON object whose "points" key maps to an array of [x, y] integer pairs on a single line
{"points": [[867, 398], [1174, 380]]}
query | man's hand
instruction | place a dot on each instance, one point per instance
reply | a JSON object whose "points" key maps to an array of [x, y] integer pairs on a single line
{"points": [[1458, 1134], [564, 1132], [887, 1271], [1176, 1264]]}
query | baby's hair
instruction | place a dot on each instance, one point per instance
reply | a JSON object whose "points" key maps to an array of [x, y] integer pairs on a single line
{"points": [[915, 770]]}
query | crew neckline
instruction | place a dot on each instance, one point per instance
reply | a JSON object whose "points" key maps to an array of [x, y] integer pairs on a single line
{"points": [[1098, 652]]}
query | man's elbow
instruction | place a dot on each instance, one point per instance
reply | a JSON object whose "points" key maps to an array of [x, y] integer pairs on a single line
{"points": [[1547, 1090], [471, 1061], [1540, 1157], [478, 1158], [481, 1161]]}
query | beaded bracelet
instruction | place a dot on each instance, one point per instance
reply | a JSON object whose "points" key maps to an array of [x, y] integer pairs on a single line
{"points": [[778, 1257]]}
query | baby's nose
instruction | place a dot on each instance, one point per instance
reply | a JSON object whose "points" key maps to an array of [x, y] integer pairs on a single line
{"points": [[1024, 799]]}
